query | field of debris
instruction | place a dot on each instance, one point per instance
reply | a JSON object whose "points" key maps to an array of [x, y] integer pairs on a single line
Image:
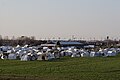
{"points": [[65, 68]]}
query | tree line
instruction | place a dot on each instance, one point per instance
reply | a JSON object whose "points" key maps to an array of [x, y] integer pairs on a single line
{"points": [[23, 40]]}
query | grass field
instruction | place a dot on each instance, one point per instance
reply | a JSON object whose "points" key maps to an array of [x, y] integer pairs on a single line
{"points": [[66, 68]]}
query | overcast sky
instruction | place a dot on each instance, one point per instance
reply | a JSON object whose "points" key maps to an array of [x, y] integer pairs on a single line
{"points": [[60, 18]]}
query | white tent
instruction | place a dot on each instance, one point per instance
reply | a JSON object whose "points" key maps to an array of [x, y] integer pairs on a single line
{"points": [[73, 55], [92, 54], [42, 56], [62, 53], [25, 58], [39, 54], [85, 54], [111, 53], [68, 53], [12, 56]]}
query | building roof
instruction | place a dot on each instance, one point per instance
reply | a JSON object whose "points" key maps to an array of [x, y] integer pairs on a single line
{"points": [[63, 43], [48, 45], [70, 43]]}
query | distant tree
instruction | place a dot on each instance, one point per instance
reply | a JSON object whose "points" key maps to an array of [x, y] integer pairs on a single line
{"points": [[0, 37], [0, 40], [59, 38], [6, 38], [32, 37], [13, 37]]}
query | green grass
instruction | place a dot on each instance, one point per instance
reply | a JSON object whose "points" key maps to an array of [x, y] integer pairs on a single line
{"points": [[66, 68]]}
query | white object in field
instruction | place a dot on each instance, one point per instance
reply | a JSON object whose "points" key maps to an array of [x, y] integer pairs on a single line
{"points": [[85, 54], [111, 53], [25, 58], [12, 56], [92, 54]]}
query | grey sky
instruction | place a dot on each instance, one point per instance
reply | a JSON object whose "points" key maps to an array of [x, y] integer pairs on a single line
{"points": [[60, 18]]}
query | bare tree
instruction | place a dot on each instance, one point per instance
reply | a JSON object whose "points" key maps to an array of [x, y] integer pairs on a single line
{"points": [[0, 37]]}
